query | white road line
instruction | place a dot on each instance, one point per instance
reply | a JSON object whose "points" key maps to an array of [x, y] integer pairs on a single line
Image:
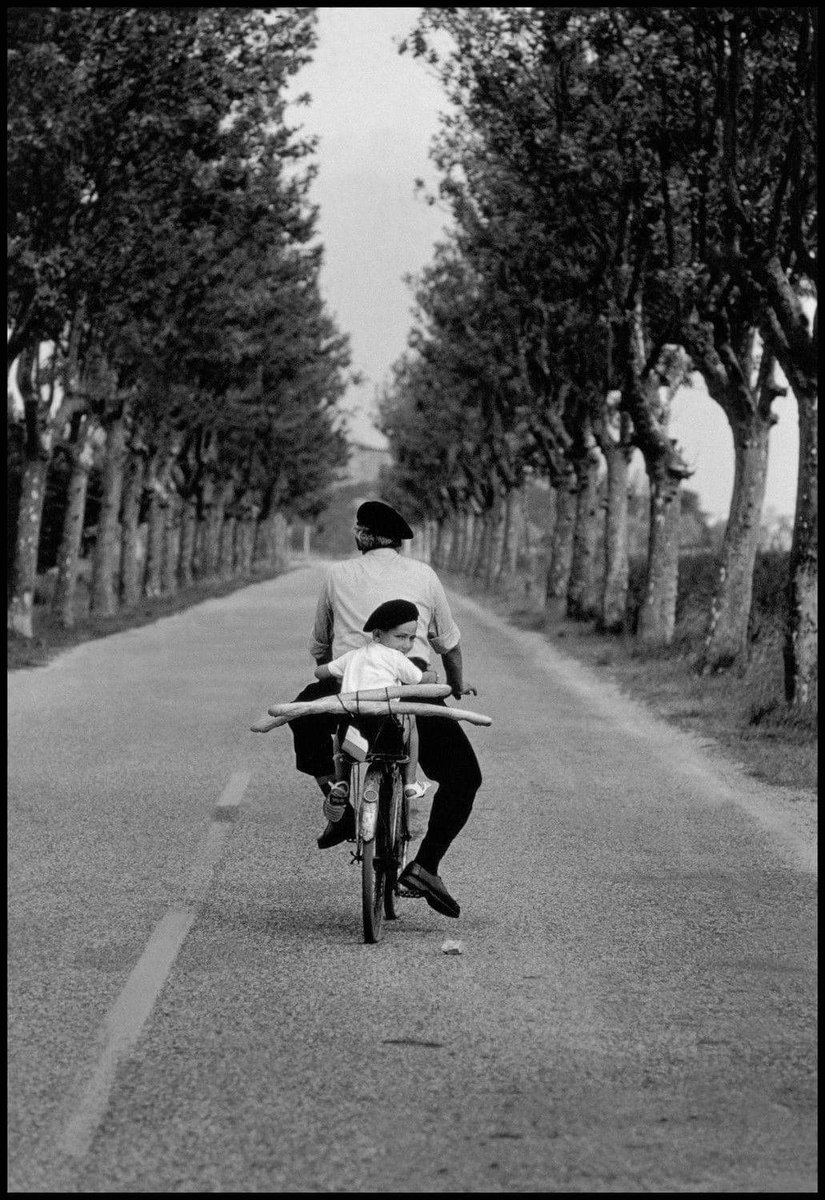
{"points": [[132, 1009], [123, 1027]]}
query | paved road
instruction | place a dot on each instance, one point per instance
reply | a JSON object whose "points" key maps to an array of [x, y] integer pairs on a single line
{"points": [[192, 1008]]}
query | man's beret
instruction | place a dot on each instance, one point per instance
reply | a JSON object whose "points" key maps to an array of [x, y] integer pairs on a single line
{"points": [[383, 520], [390, 614]]}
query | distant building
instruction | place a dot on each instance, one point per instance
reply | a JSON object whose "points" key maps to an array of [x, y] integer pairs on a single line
{"points": [[365, 463]]}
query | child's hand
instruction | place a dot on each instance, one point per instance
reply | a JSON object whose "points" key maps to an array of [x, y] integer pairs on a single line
{"points": [[429, 677]]}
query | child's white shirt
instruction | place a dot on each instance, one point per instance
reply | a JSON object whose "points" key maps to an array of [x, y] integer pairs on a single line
{"points": [[373, 666]]}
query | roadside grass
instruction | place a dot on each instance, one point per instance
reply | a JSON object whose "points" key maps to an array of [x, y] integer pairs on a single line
{"points": [[742, 711], [50, 638]]}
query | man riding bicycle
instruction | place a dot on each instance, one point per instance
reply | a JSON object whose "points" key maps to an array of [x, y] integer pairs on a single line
{"points": [[352, 590]]}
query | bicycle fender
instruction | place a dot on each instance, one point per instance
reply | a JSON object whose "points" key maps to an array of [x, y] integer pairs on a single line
{"points": [[369, 813]]}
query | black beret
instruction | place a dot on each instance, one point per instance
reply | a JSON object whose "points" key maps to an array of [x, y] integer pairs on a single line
{"points": [[383, 520], [391, 613]]}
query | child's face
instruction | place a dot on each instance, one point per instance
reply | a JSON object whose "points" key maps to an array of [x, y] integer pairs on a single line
{"points": [[400, 638]]}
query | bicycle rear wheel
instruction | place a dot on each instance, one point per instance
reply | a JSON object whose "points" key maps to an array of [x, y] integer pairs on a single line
{"points": [[393, 838], [374, 861]]}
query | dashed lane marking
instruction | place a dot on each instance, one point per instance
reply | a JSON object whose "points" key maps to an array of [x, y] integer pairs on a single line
{"points": [[130, 1012]]}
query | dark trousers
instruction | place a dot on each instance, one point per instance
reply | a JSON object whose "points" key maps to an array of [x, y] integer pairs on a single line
{"points": [[444, 752]]}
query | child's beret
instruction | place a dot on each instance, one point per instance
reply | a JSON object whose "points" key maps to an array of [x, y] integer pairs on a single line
{"points": [[391, 613]]}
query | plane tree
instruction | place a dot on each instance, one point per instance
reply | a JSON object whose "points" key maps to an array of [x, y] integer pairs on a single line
{"points": [[534, 102], [759, 66], [729, 127]]}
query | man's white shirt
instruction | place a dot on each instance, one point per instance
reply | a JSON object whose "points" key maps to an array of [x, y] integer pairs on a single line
{"points": [[355, 587]]}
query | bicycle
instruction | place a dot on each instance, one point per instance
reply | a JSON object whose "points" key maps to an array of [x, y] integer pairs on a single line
{"points": [[382, 831]]}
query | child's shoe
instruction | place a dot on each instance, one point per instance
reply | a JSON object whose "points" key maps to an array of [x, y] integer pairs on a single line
{"points": [[414, 791], [335, 801]]}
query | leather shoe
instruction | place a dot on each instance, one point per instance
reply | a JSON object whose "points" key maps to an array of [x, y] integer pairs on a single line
{"points": [[338, 831], [431, 887]]}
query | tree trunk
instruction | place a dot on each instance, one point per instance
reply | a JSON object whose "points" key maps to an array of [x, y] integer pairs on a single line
{"points": [[29, 520], [433, 531], [244, 540], [188, 531], [642, 401], [474, 549], [459, 542], [482, 546], [561, 551], [171, 546], [414, 548], [131, 563], [492, 555], [238, 547], [516, 530], [103, 594], [201, 545], [535, 562], [616, 567], [473, 535], [155, 544], [249, 544], [421, 542], [69, 553], [503, 532], [449, 541], [800, 650], [582, 597], [657, 615], [226, 561], [213, 523], [281, 526], [726, 640], [264, 546], [440, 537], [471, 523], [263, 542], [20, 615], [436, 540]]}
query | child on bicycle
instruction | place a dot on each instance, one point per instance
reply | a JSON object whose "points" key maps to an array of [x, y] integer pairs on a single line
{"points": [[382, 662]]}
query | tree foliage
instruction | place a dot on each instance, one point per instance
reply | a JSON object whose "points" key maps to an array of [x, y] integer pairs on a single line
{"points": [[162, 240], [633, 195]]}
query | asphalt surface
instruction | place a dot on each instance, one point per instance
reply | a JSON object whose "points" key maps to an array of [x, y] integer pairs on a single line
{"points": [[192, 1007]]}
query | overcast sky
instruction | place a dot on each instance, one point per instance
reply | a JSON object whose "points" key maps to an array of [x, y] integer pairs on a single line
{"points": [[375, 113]]}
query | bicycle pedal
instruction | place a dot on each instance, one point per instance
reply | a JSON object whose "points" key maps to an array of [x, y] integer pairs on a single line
{"points": [[407, 893]]}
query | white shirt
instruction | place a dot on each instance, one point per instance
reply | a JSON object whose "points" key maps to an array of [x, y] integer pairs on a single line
{"points": [[373, 666], [355, 587]]}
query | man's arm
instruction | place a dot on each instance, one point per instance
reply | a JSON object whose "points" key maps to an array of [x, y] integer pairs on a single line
{"points": [[454, 672], [320, 642]]}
